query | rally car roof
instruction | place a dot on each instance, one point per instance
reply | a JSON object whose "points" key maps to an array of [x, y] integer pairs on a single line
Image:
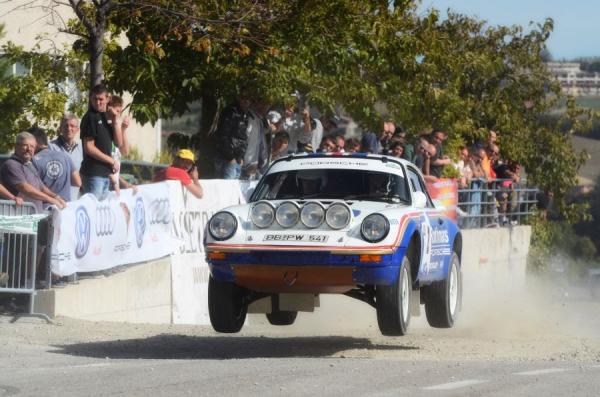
{"points": [[290, 161]]}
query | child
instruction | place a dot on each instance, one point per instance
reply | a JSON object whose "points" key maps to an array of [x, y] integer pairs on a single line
{"points": [[113, 111]]}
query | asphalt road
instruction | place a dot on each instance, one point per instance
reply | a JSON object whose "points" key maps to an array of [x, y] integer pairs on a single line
{"points": [[550, 351], [167, 365]]}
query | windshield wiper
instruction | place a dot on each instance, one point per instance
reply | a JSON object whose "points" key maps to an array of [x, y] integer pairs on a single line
{"points": [[295, 197]]}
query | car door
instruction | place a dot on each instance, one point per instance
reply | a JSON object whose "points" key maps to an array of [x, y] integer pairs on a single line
{"points": [[432, 226]]}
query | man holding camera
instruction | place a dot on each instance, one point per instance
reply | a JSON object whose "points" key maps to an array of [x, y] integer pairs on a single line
{"points": [[304, 131], [184, 170]]}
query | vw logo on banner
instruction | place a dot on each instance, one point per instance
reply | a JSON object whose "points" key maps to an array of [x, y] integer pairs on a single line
{"points": [[160, 211], [82, 232], [139, 221], [106, 221]]}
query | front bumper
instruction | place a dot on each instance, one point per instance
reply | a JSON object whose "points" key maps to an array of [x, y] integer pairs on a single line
{"points": [[303, 271]]}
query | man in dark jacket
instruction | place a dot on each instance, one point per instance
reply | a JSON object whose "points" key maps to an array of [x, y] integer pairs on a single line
{"points": [[232, 137]]}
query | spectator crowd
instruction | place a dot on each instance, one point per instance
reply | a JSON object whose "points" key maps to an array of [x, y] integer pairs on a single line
{"points": [[249, 137]]}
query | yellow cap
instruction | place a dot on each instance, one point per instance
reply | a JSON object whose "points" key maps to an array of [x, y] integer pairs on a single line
{"points": [[186, 154]]}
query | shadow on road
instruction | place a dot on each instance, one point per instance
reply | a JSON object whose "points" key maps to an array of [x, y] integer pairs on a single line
{"points": [[222, 348]]}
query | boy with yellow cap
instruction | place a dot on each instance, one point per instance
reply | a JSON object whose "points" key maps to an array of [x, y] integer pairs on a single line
{"points": [[184, 170]]}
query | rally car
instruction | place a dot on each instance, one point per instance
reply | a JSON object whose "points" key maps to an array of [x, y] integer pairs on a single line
{"points": [[360, 225]]}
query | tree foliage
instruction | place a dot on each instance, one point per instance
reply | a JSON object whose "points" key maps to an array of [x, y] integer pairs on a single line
{"points": [[455, 73], [37, 95]]}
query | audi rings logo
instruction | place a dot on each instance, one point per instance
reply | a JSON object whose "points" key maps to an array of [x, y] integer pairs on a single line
{"points": [[160, 211], [106, 221], [82, 232], [139, 221]]}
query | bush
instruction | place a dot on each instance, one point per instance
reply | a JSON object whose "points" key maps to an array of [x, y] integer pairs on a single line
{"points": [[551, 240]]}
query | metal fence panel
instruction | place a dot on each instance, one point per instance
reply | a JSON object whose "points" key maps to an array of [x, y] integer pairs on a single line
{"points": [[18, 256], [500, 202]]}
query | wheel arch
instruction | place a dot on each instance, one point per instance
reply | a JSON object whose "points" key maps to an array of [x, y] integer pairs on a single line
{"points": [[457, 245], [413, 251]]}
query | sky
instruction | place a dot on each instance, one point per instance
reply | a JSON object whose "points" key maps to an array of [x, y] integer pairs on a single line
{"points": [[576, 23]]}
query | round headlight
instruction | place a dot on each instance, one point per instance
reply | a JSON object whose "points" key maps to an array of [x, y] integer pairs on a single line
{"points": [[338, 216], [312, 215], [374, 228], [262, 214], [222, 225], [287, 214]]}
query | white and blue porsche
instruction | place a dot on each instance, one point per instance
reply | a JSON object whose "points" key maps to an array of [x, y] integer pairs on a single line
{"points": [[359, 225]]}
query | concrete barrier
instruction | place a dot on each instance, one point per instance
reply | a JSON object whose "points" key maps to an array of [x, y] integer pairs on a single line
{"points": [[139, 294], [495, 257], [492, 259]]}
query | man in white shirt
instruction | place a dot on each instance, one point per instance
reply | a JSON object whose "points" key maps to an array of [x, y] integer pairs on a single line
{"points": [[305, 132]]}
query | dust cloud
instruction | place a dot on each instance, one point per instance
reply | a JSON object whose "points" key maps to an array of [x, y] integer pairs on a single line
{"points": [[495, 304], [534, 305]]}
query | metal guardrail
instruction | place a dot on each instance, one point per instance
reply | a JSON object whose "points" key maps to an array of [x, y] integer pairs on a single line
{"points": [[18, 258], [500, 202]]}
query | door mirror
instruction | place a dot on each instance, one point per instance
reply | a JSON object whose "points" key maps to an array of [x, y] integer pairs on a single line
{"points": [[419, 200], [438, 205]]}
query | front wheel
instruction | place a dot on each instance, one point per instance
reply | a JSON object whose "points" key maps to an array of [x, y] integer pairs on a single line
{"points": [[393, 303], [442, 298], [226, 306]]}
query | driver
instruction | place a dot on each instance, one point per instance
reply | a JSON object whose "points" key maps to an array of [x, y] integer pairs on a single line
{"points": [[378, 184], [311, 182]]}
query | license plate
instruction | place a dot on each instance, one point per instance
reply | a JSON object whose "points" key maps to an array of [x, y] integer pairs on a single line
{"points": [[308, 238]]}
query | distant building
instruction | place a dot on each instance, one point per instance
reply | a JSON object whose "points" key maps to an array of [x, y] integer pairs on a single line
{"points": [[573, 80]]}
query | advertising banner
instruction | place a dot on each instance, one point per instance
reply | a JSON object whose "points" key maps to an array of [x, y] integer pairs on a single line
{"points": [[188, 263], [445, 192], [90, 235]]}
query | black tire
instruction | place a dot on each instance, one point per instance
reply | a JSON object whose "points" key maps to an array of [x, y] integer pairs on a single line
{"points": [[226, 306], [393, 303], [442, 298], [281, 317]]}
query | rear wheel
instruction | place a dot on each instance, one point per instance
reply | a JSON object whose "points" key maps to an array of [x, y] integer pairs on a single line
{"points": [[442, 298], [281, 317], [393, 303], [226, 306]]}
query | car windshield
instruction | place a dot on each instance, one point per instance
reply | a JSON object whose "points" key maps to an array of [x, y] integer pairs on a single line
{"points": [[345, 184]]}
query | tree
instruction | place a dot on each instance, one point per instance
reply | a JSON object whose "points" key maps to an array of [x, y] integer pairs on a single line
{"points": [[310, 46], [94, 19], [458, 73], [484, 78], [546, 55]]}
